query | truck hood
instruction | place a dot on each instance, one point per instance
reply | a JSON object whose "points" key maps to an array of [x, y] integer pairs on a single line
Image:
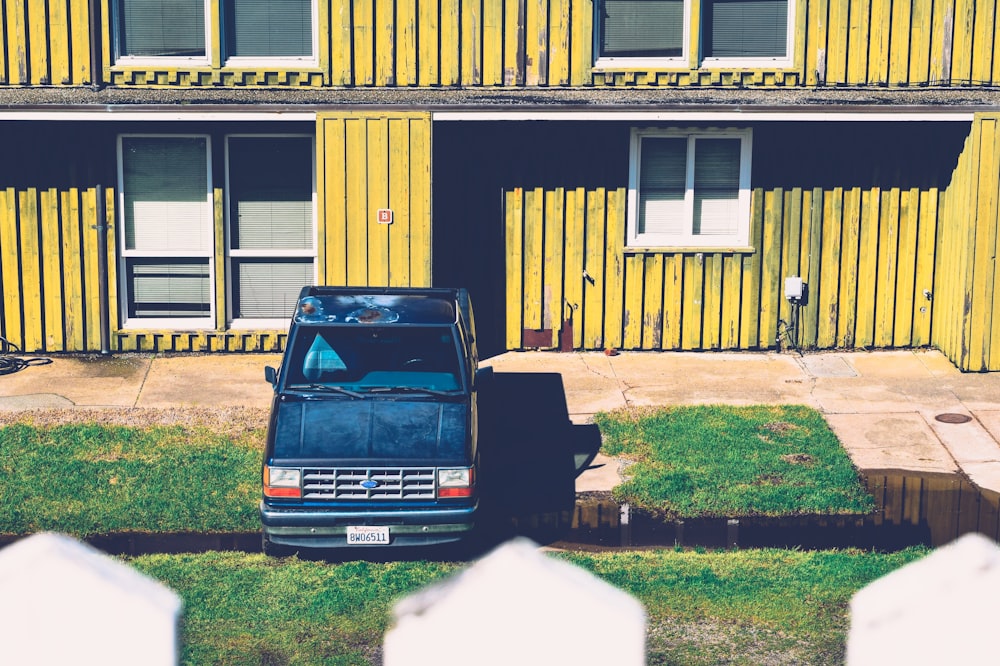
{"points": [[371, 430]]}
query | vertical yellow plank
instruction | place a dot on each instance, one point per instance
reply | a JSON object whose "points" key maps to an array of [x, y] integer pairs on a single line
{"points": [[899, 39], [535, 56], [110, 217], [885, 290], [857, 56], [341, 56], [28, 224], [471, 42], [406, 43], [72, 281], [963, 46], [17, 35], [812, 234], [451, 45], [693, 297], [513, 42], [770, 250], [576, 213], [817, 40], [384, 42], [712, 309], [356, 172], [322, 205], [693, 41], [848, 298], [493, 42], [909, 211], [986, 234], [673, 289], [378, 198], [37, 22], [794, 246], [364, 42], [829, 273], [924, 282], [941, 41], [990, 210], [92, 296], [59, 41], [878, 46], [534, 229], [920, 41], [750, 298], [514, 243], [633, 301], [868, 267], [333, 204], [836, 48], [558, 43], [613, 273], [652, 307], [732, 273], [581, 44], [421, 228], [54, 301], [10, 275], [400, 238], [429, 44], [219, 260], [553, 305], [79, 20], [985, 36], [595, 285]]}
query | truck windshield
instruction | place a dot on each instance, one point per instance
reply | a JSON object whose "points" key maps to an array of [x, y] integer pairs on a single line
{"points": [[367, 357]]}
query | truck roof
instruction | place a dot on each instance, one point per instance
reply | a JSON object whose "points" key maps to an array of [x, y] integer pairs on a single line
{"points": [[325, 305]]}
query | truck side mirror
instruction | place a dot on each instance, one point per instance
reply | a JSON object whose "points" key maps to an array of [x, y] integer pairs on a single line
{"points": [[271, 375], [483, 378]]}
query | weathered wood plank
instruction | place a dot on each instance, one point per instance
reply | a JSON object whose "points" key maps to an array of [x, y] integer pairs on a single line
{"points": [[377, 198], [472, 42], [652, 306], [633, 285], [384, 46], [829, 275], [554, 307], [613, 270], [924, 278], [596, 284], [421, 233], [28, 223], [54, 300], [848, 297], [868, 256], [576, 215], [514, 235], [399, 234], [909, 212], [72, 269], [534, 256], [356, 174], [450, 45]]}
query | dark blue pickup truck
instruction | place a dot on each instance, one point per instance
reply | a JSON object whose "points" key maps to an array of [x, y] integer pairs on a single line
{"points": [[373, 434]]}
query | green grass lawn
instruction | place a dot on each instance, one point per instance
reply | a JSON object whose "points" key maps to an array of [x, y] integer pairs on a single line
{"points": [[738, 607], [722, 461]]}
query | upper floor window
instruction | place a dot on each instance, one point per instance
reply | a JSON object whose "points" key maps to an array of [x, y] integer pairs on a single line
{"points": [[188, 29], [744, 33], [689, 189]]}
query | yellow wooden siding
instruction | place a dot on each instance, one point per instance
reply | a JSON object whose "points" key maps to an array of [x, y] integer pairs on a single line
{"points": [[370, 162], [860, 255], [967, 329], [526, 43]]}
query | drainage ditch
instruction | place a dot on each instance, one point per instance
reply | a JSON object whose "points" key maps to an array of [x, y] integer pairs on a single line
{"points": [[911, 509]]}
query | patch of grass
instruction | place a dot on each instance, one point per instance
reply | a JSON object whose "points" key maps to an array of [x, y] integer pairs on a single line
{"points": [[738, 607], [707, 461], [86, 479]]}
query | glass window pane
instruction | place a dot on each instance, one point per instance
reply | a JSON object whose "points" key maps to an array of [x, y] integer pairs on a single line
{"points": [[269, 289], [165, 188], [745, 29], [662, 176], [716, 186], [161, 28], [169, 288], [642, 28], [271, 202], [269, 28]]}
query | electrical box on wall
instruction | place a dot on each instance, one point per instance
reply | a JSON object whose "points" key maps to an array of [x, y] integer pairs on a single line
{"points": [[793, 288]]}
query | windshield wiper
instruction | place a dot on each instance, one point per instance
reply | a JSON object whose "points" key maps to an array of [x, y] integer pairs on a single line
{"points": [[327, 388], [407, 389]]}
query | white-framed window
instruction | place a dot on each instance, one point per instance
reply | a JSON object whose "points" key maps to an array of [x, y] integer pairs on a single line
{"points": [[186, 31], [725, 33], [166, 231], [689, 188], [271, 225], [168, 254]]}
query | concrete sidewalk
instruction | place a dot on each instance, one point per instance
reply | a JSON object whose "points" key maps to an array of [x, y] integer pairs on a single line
{"points": [[892, 410]]}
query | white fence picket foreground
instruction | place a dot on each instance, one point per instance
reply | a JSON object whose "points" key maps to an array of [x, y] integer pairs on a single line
{"points": [[518, 605], [65, 602], [937, 610]]}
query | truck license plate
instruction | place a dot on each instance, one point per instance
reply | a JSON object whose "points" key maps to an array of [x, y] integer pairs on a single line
{"points": [[367, 535]]}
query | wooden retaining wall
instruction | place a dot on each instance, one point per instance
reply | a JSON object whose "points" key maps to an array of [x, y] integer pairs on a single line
{"points": [[524, 43]]}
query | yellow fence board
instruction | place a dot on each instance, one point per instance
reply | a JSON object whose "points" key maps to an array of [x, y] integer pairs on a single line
{"points": [[614, 248], [428, 45], [909, 213], [923, 288], [72, 266], [594, 286], [534, 247], [399, 234], [10, 250], [634, 282], [30, 270], [54, 302], [652, 306], [516, 259], [829, 269], [848, 297], [472, 42], [576, 217], [554, 305], [420, 245], [405, 73], [450, 45], [377, 197], [899, 51], [493, 42]]}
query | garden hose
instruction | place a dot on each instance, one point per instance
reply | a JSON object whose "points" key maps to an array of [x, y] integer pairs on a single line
{"points": [[10, 364]]}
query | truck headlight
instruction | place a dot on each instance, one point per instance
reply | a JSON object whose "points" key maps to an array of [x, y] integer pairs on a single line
{"points": [[282, 482], [456, 482]]}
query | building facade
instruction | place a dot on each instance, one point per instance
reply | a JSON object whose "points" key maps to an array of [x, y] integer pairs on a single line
{"points": [[651, 174]]}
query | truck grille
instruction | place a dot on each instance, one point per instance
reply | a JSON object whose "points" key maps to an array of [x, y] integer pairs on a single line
{"points": [[386, 483]]}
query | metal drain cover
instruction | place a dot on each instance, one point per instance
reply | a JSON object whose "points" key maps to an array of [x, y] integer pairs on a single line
{"points": [[953, 418]]}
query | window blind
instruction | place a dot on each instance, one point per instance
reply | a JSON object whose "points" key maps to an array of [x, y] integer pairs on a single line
{"points": [[269, 289], [716, 186], [642, 28], [161, 28], [745, 29], [269, 28], [662, 178], [169, 289]]}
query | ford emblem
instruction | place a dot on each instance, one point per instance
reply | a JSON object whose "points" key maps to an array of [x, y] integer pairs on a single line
{"points": [[369, 484]]}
